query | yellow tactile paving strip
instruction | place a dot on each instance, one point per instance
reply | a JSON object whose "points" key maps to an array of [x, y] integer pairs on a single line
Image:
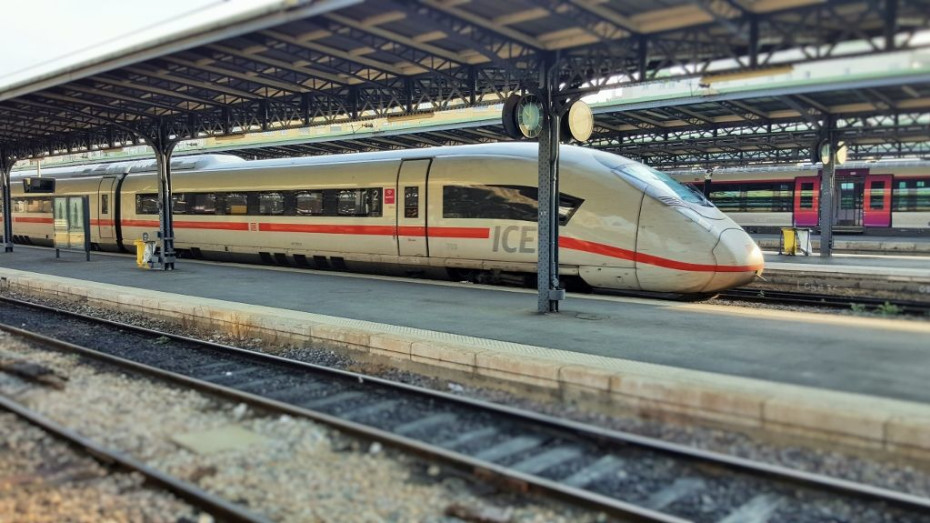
{"points": [[895, 426]]}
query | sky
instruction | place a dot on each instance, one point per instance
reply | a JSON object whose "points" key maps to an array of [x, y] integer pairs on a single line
{"points": [[44, 35]]}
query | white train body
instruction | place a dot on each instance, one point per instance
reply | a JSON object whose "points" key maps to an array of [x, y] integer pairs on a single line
{"points": [[464, 210]]}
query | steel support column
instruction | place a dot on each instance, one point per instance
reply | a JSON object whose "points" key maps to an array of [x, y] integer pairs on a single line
{"points": [[163, 146], [6, 167], [827, 184], [547, 267]]}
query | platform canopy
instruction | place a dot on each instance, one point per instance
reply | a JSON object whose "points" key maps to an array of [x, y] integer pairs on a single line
{"points": [[327, 61]]}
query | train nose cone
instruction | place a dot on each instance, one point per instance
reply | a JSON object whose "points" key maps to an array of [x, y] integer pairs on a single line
{"points": [[738, 258]]}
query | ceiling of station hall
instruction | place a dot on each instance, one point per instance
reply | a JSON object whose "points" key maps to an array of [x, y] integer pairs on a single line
{"points": [[329, 61]]}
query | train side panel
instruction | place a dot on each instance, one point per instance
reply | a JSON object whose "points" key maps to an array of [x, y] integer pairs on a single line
{"points": [[241, 213]]}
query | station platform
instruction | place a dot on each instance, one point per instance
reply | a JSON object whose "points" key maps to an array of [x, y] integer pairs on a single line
{"points": [[858, 243], [848, 379], [890, 276]]}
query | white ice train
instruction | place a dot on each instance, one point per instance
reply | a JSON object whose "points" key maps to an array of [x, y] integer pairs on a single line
{"points": [[465, 212]]}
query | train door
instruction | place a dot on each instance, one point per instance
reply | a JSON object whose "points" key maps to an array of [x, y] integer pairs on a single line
{"points": [[877, 201], [806, 201], [105, 208], [411, 209], [848, 212]]}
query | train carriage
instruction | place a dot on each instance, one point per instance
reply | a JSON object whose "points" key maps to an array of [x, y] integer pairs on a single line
{"points": [[467, 212], [890, 197]]}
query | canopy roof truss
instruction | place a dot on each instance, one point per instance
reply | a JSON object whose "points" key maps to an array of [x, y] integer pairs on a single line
{"points": [[355, 60]]}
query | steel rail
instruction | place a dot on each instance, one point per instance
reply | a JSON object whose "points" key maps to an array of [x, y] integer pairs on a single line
{"points": [[218, 507], [824, 300], [778, 473]]}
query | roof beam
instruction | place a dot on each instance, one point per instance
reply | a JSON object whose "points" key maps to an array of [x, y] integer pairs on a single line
{"points": [[209, 86], [281, 64], [128, 84], [256, 79], [117, 96], [401, 39], [329, 51], [449, 8], [88, 103]]}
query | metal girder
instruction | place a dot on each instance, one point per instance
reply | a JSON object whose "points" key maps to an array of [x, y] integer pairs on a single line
{"points": [[106, 93], [256, 79], [407, 55], [179, 79], [145, 88], [330, 81]]}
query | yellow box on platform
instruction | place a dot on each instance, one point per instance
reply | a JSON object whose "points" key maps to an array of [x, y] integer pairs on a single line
{"points": [[789, 241]]}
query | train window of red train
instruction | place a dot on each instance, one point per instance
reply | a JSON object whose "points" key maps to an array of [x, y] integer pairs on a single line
{"points": [[807, 195], [876, 195], [104, 204]]}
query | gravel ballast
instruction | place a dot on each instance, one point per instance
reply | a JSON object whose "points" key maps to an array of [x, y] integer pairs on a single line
{"points": [[293, 470]]}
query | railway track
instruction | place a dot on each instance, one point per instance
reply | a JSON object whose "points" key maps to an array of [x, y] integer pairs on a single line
{"points": [[860, 303], [218, 507], [622, 474]]}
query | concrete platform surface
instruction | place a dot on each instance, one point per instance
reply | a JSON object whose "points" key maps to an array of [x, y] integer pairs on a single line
{"points": [[859, 243], [890, 265], [856, 378]]}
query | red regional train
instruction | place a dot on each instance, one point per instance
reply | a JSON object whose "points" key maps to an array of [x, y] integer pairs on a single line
{"points": [[466, 212], [889, 197]]}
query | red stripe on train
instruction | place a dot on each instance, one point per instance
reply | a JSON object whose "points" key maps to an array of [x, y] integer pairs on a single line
{"points": [[625, 254], [453, 232], [24, 219]]}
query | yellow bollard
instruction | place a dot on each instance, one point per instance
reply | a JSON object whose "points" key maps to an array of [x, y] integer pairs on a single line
{"points": [[789, 241], [140, 254]]}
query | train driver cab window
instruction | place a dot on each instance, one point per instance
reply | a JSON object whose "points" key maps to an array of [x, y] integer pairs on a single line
{"points": [[104, 204], [876, 195], [310, 203], [271, 203], [807, 195], [411, 202], [237, 203]]}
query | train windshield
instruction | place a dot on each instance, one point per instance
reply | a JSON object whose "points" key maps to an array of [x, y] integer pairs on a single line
{"points": [[653, 177], [644, 176]]}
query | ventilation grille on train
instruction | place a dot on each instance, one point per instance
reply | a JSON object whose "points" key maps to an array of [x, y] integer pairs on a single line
{"points": [[670, 201]]}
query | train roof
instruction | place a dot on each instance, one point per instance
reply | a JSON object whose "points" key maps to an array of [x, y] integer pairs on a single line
{"points": [[527, 150], [180, 163], [210, 162], [909, 162]]}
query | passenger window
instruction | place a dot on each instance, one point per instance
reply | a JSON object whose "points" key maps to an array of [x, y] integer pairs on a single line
{"points": [[271, 203], [310, 203], [203, 203], [146, 204], [411, 202], [374, 202], [179, 203], [877, 195], [104, 204], [807, 195], [237, 203]]}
